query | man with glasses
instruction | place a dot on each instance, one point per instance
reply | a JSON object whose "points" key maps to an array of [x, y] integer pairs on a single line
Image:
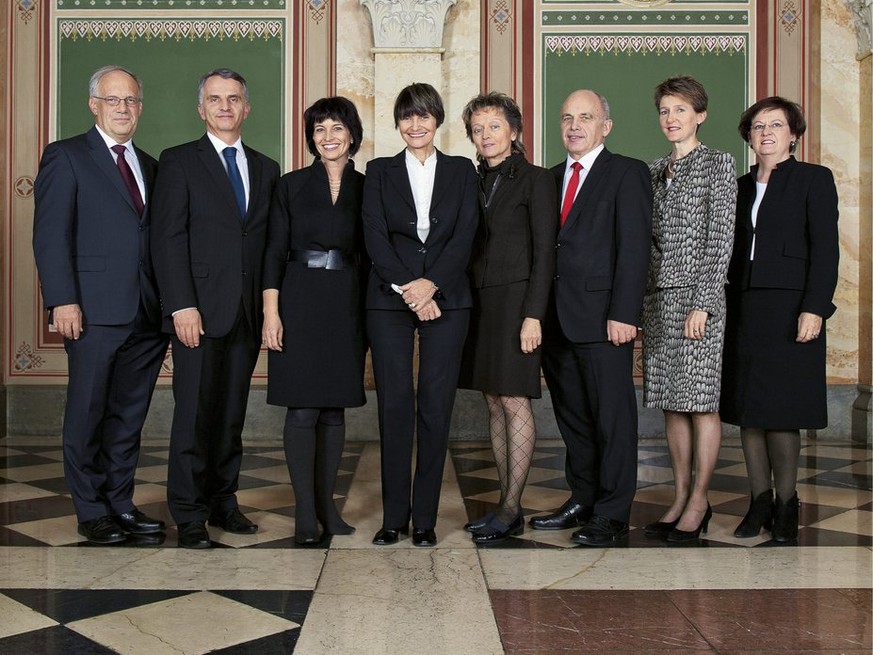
{"points": [[212, 198], [91, 243]]}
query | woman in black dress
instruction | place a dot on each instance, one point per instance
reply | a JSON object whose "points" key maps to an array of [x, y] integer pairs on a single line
{"points": [[313, 310], [782, 277], [511, 270]]}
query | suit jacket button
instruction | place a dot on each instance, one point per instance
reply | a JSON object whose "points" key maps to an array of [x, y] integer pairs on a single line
{"points": [[558, 245], [244, 273], [557, 277], [434, 220], [422, 250]]}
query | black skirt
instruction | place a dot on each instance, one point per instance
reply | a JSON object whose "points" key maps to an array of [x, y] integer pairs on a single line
{"points": [[770, 381], [493, 361]]}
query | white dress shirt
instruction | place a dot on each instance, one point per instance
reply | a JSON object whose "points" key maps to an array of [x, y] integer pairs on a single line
{"points": [[421, 177], [587, 162], [241, 161]]}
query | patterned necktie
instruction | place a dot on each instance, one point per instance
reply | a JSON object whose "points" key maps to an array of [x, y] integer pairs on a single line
{"points": [[129, 179], [570, 194], [235, 179]]}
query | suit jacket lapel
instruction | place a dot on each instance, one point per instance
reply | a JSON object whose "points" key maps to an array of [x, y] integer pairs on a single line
{"points": [[587, 190], [212, 163], [442, 178], [104, 160], [255, 177], [148, 176], [399, 179]]}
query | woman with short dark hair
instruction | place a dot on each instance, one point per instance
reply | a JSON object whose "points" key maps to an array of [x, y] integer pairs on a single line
{"points": [[313, 311], [684, 307], [511, 271], [782, 275], [420, 217]]}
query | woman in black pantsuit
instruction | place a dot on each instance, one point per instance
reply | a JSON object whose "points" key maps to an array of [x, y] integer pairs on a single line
{"points": [[420, 217], [782, 277], [313, 311], [511, 269]]}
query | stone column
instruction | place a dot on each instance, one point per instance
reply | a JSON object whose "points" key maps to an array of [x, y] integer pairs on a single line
{"points": [[862, 409], [407, 35]]}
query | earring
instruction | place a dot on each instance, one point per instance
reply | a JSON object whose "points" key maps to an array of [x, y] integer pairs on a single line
{"points": [[792, 144]]}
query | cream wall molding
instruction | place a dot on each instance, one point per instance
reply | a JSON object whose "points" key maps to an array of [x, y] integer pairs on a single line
{"points": [[408, 23]]}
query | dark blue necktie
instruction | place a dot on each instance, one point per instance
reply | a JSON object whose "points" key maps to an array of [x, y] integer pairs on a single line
{"points": [[235, 179]]}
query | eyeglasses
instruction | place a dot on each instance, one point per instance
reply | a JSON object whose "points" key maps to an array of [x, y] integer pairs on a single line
{"points": [[775, 125], [114, 101]]}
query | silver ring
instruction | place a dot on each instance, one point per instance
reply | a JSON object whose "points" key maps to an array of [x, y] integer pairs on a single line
{"points": [[412, 305]]}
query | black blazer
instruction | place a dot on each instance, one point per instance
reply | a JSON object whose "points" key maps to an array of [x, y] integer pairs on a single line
{"points": [[603, 248], [393, 245], [205, 256], [91, 246], [516, 236], [796, 237]]}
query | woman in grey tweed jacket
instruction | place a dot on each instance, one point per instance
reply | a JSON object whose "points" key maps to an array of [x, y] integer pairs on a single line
{"points": [[683, 313]]}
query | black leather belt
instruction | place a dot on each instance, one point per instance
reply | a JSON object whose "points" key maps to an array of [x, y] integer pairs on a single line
{"points": [[332, 260]]}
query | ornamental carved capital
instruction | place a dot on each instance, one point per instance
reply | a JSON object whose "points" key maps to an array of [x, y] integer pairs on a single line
{"points": [[862, 11], [408, 23]]}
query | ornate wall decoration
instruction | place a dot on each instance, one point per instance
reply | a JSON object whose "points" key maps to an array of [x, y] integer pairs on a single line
{"points": [[408, 23], [25, 9], [170, 5], [702, 44], [316, 9], [177, 30], [500, 16], [789, 16], [24, 186], [26, 359]]}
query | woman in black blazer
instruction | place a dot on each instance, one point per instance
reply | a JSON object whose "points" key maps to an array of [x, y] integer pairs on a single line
{"points": [[782, 277], [511, 270], [313, 310], [420, 217]]}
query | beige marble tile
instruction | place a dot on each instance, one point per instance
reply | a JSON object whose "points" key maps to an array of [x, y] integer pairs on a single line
{"points": [[276, 495], [654, 474], [678, 568], [662, 494], [539, 499], [858, 468], [57, 455], [270, 528], [534, 476], [835, 451], [836, 496], [15, 491], [643, 454], [732, 454], [277, 473], [17, 618], [58, 531], [146, 494], [36, 472], [197, 623], [484, 455], [854, 522], [400, 601], [159, 568], [156, 473]]}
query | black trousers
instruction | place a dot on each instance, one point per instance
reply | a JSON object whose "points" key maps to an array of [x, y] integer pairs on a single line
{"points": [[211, 389], [112, 374], [403, 412], [595, 405]]}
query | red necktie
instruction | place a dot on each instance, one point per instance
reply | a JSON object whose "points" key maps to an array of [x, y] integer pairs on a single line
{"points": [[570, 194], [127, 176]]}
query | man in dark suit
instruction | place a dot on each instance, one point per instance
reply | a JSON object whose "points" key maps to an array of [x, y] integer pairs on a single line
{"points": [[602, 260], [212, 198], [91, 243]]}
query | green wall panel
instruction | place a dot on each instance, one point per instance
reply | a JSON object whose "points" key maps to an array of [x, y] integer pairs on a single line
{"points": [[626, 67], [170, 57]]}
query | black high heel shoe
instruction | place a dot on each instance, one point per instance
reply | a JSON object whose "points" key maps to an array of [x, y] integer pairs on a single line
{"points": [[479, 524], [682, 536], [497, 531], [660, 528], [760, 515]]}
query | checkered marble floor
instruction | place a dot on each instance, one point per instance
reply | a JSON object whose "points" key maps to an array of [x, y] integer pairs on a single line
{"points": [[535, 594]]}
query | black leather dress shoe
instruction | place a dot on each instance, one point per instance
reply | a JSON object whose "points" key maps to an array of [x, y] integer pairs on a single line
{"points": [[101, 531], [234, 521], [600, 531], [423, 538], [388, 536], [497, 532], [568, 515], [193, 535], [135, 522]]}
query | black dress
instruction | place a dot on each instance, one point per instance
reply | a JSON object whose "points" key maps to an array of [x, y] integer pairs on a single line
{"points": [[770, 381], [511, 272], [322, 360]]}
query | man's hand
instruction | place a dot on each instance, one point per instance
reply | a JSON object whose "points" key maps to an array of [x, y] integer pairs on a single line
{"points": [[189, 327], [67, 319], [619, 333]]}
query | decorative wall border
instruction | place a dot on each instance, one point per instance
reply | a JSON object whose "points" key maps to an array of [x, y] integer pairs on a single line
{"points": [[735, 16], [704, 44], [178, 30], [172, 5]]}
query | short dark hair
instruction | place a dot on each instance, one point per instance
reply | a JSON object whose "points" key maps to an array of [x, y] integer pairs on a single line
{"points": [[419, 99], [502, 102], [793, 114], [685, 87], [224, 73], [336, 108]]}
